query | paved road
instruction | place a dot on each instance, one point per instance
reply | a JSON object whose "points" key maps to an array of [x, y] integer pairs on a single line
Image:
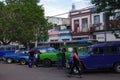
{"points": [[20, 72]]}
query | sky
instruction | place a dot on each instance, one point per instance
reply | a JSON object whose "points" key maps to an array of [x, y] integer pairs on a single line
{"points": [[55, 7]]}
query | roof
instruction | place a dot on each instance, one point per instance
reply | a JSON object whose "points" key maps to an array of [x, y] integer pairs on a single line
{"points": [[107, 44]]}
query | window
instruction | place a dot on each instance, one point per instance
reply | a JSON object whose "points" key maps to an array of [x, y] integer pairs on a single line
{"points": [[111, 49], [8, 48], [116, 15], [85, 23], [97, 20], [51, 50], [2, 48], [119, 50], [76, 25], [83, 49], [98, 50], [94, 36], [70, 49], [80, 49]]}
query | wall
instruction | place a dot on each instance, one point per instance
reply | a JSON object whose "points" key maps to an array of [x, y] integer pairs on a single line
{"points": [[100, 36]]}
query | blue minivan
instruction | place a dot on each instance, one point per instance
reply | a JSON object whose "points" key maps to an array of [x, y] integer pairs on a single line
{"points": [[7, 49], [99, 56]]}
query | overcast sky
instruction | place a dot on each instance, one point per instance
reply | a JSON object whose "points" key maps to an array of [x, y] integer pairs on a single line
{"points": [[55, 7]]}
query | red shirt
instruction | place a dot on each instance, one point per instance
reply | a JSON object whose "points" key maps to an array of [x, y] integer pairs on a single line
{"points": [[76, 56]]}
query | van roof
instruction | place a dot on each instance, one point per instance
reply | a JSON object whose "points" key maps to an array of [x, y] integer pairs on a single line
{"points": [[106, 44]]}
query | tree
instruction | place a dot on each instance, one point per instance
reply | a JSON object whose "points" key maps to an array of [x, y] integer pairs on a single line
{"points": [[106, 5], [27, 21], [7, 22]]}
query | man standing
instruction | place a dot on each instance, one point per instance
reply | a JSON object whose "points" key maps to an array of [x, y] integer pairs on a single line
{"points": [[31, 58]]}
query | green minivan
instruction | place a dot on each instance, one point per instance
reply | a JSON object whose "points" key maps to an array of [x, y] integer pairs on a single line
{"points": [[49, 54]]}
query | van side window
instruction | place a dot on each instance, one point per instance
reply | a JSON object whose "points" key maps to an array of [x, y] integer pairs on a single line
{"points": [[13, 48], [70, 49], [81, 49], [98, 50], [8, 48], [1, 48], [111, 49], [119, 49]]}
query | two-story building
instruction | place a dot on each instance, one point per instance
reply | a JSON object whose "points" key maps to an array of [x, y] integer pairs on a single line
{"points": [[86, 24], [80, 23]]}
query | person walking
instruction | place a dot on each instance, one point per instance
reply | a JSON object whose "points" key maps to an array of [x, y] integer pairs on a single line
{"points": [[75, 63]]}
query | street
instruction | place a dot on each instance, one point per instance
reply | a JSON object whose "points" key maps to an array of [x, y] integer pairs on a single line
{"points": [[22, 72]]}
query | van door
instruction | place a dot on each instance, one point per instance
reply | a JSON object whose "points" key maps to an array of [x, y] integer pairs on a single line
{"points": [[111, 56], [95, 60]]}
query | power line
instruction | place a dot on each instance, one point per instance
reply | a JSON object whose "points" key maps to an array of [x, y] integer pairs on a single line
{"points": [[60, 14], [68, 12]]}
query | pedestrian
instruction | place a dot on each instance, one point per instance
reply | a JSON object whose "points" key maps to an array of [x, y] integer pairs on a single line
{"points": [[75, 63], [37, 58], [31, 58], [59, 60], [63, 57]]}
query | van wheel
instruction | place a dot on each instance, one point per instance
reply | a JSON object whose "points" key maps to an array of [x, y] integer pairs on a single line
{"points": [[9, 60], [47, 63], [22, 61], [117, 67], [75, 70]]}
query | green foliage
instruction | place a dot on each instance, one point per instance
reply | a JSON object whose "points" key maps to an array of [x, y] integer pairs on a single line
{"points": [[106, 5], [22, 21], [109, 7]]}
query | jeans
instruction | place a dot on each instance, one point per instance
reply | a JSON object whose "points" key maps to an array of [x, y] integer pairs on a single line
{"points": [[31, 60], [59, 63]]}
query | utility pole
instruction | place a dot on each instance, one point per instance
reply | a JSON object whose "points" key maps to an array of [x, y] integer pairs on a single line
{"points": [[105, 27], [105, 33]]}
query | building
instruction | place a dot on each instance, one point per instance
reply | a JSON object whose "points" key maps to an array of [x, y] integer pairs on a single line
{"points": [[86, 24], [80, 23], [103, 28], [60, 31], [64, 35]]}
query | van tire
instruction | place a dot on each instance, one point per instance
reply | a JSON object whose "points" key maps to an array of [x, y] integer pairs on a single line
{"points": [[22, 61], [47, 63], [117, 67], [9, 60], [75, 71]]}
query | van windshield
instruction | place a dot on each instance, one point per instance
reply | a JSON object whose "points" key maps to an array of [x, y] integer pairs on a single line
{"points": [[83, 50], [8, 47]]}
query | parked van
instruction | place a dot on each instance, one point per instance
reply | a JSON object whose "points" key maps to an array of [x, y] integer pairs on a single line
{"points": [[7, 49], [99, 56]]}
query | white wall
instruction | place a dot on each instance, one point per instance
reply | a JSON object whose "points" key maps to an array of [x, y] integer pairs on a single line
{"points": [[109, 37], [80, 21], [55, 20]]}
